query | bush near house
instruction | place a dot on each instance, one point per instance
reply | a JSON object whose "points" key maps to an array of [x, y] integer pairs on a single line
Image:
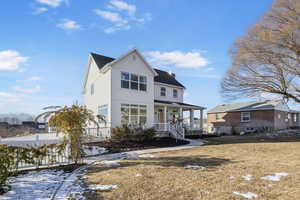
{"points": [[123, 134]]}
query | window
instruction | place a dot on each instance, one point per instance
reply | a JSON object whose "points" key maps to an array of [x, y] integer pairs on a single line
{"points": [[103, 112], [175, 93], [279, 116], [133, 81], [92, 89], [295, 117], [163, 91], [218, 116], [143, 83], [124, 80], [245, 116], [132, 114]]}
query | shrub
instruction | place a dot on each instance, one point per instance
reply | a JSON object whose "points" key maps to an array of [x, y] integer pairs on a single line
{"points": [[125, 133]]}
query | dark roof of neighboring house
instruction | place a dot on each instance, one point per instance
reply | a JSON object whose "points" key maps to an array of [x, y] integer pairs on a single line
{"points": [[100, 60], [248, 106], [167, 78], [163, 76], [176, 103]]}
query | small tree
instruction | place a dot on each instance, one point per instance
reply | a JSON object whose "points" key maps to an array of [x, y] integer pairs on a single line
{"points": [[72, 121], [267, 59]]}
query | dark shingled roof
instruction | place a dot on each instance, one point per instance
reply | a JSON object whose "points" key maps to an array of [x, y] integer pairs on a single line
{"points": [[176, 103], [167, 78], [100, 60], [163, 76]]}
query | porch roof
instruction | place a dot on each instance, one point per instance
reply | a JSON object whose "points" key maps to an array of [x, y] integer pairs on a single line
{"points": [[178, 104]]}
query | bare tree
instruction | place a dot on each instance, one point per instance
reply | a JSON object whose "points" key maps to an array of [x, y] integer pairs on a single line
{"points": [[267, 58]]}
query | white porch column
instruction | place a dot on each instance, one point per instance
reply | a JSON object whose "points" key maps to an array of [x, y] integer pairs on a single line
{"points": [[191, 119], [201, 119], [180, 113], [165, 118]]}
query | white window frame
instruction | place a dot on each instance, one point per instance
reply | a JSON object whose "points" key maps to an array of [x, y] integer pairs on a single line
{"points": [[175, 93], [140, 107], [102, 108], [242, 116], [139, 81], [163, 91]]}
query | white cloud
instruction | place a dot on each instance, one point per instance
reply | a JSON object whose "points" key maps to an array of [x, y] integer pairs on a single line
{"points": [[52, 3], [11, 60], [32, 90], [123, 6], [32, 78], [110, 16], [178, 58], [40, 10], [122, 16], [69, 25], [8, 97]]}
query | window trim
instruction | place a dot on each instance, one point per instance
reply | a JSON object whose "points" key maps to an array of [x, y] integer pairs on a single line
{"points": [[242, 117], [138, 82], [175, 91], [138, 115], [163, 91]]}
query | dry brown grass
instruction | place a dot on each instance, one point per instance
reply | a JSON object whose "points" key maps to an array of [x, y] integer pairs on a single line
{"points": [[165, 178]]}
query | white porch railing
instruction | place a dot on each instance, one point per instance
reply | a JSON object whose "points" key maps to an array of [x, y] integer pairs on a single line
{"points": [[101, 132], [176, 130]]}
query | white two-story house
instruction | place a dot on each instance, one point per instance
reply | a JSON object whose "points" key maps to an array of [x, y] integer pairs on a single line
{"points": [[128, 91]]}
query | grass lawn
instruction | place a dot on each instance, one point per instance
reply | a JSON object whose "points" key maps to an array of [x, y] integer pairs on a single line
{"points": [[226, 161]]}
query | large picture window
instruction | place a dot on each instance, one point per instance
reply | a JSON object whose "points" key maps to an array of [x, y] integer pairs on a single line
{"points": [[133, 81], [103, 112], [133, 114], [245, 117]]}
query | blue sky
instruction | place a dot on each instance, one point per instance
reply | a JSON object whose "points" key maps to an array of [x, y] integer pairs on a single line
{"points": [[45, 44]]}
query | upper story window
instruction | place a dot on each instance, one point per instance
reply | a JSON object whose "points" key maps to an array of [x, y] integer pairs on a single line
{"points": [[92, 89], [218, 116], [245, 117], [175, 93], [103, 112], [163, 91], [295, 117], [133, 81]]}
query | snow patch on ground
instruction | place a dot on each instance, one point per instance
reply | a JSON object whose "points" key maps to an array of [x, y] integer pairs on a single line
{"points": [[131, 156], [138, 175], [147, 156], [93, 150], [103, 187], [231, 177], [34, 185], [110, 163], [247, 177], [275, 177], [194, 167], [248, 195]]}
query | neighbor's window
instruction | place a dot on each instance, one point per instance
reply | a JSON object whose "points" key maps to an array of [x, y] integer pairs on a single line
{"points": [[133, 114], [124, 80], [218, 116], [103, 111], [92, 89], [163, 91], [279, 116], [245, 116], [175, 93]]}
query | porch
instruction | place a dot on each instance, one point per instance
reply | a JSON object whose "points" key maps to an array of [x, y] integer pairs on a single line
{"points": [[181, 115]]}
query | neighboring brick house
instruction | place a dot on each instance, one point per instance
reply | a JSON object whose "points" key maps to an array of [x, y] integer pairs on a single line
{"points": [[251, 116]]}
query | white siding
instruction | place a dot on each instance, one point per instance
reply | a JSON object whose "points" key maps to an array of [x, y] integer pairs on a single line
{"points": [[129, 96], [169, 93], [102, 90]]}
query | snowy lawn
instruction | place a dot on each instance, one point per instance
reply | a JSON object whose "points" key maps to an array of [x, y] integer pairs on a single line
{"points": [[251, 169], [42, 185]]}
